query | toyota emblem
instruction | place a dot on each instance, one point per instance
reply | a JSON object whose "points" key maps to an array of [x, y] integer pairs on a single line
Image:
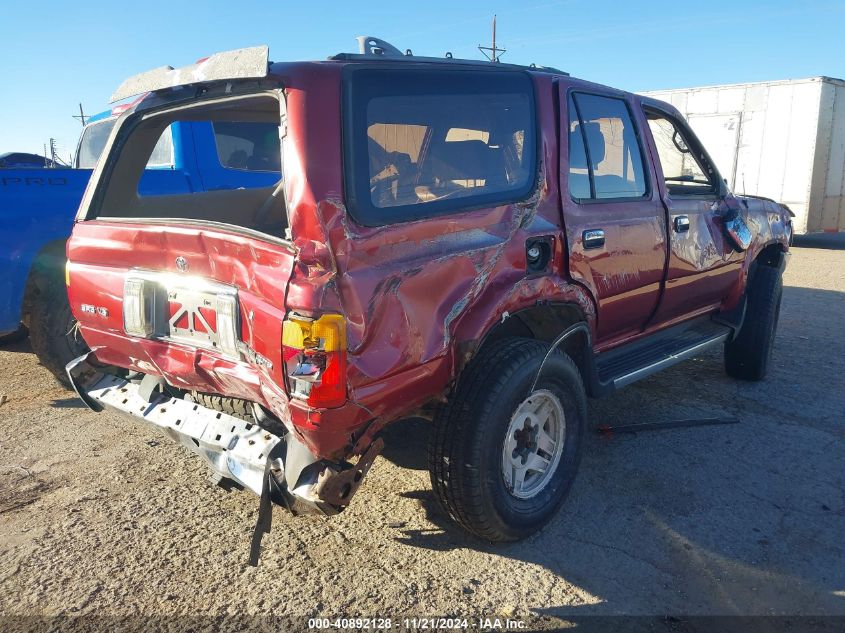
{"points": [[182, 263]]}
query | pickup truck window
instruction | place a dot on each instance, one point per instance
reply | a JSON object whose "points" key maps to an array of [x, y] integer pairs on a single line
{"points": [[162, 154], [94, 138], [248, 145], [424, 143], [91, 144], [605, 160], [682, 171]]}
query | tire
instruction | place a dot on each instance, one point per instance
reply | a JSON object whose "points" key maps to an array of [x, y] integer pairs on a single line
{"points": [[53, 333], [470, 447], [747, 355]]}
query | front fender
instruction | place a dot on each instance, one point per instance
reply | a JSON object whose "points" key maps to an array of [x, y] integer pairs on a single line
{"points": [[771, 228]]}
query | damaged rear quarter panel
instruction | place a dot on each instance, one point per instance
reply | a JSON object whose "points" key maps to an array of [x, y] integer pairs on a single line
{"points": [[410, 292]]}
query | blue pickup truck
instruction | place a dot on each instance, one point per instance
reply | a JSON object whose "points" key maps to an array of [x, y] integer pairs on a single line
{"points": [[38, 207]]}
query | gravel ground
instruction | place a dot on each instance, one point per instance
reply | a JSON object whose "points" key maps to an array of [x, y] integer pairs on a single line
{"points": [[102, 516]]}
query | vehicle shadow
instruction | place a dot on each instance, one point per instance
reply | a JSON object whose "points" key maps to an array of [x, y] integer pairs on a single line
{"points": [[68, 403], [831, 241], [736, 519], [22, 346]]}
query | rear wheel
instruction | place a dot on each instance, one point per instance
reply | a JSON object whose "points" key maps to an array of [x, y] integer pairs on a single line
{"points": [[53, 331], [503, 457], [747, 356]]}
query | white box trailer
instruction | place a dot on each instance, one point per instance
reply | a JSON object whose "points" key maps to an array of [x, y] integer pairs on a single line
{"points": [[783, 140]]}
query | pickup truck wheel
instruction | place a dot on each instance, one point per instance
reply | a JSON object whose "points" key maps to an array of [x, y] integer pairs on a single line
{"points": [[53, 332], [502, 459], [747, 356]]}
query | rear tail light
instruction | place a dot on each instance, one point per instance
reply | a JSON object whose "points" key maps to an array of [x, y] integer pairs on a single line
{"points": [[314, 354], [137, 308]]}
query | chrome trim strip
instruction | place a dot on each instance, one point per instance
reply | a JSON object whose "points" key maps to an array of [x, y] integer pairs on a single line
{"points": [[670, 360]]}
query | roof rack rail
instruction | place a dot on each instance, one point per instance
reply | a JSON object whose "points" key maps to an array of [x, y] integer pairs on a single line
{"points": [[374, 48]]}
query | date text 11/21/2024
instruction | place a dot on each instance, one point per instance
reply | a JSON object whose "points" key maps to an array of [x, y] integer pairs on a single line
{"points": [[433, 623]]}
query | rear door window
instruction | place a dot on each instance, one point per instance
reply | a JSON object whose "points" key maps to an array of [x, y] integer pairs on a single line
{"points": [[421, 143], [605, 158]]}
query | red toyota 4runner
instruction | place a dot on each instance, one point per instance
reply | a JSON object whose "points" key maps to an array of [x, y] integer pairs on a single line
{"points": [[483, 244]]}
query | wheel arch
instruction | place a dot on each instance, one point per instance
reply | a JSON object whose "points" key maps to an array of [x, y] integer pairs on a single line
{"points": [[771, 254], [546, 322]]}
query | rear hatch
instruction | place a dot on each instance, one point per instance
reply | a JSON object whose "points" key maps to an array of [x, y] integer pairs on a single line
{"points": [[187, 279]]}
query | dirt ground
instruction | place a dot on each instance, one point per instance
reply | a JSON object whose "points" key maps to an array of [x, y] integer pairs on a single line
{"points": [[99, 515]]}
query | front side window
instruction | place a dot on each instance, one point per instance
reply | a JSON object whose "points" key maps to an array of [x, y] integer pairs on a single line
{"points": [[423, 143], [605, 159], [682, 171]]}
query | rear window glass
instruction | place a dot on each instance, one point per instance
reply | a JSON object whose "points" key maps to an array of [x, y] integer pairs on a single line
{"points": [[424, 143]]}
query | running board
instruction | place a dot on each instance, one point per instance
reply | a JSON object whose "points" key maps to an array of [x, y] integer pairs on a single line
{"points": [[622, 366]]}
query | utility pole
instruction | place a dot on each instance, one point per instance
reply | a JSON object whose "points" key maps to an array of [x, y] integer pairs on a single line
{"points": [[54, 154], [81, 116], [492, 53]]}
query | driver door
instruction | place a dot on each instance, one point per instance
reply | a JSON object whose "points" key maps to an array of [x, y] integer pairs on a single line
{"points": [[702, 264]]}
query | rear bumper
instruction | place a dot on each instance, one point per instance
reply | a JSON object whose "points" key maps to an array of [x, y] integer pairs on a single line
{"points": [[234, 449], [328, 433]]}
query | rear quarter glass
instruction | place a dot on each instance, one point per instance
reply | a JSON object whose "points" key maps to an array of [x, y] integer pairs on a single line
{"points": [[426, 99]]}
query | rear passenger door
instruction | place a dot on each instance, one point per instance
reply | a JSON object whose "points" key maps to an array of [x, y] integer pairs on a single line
{"points": [[614, 219], [702, 264]]}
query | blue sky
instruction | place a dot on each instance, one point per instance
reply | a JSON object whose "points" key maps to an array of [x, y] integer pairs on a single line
{"points": [[57, 54]]}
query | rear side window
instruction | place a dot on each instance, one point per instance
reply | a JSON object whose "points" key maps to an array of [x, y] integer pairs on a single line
{"points": [[421, 143], [605, 159]]}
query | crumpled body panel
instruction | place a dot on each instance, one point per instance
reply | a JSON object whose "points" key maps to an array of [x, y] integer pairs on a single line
{"points": [[411, 292]]}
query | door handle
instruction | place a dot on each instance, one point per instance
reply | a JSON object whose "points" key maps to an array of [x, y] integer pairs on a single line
{"points": [[681, 223], [593, 238]]}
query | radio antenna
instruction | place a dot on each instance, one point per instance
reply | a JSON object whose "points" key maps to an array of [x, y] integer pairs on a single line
{"points": [[492, 53]]}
